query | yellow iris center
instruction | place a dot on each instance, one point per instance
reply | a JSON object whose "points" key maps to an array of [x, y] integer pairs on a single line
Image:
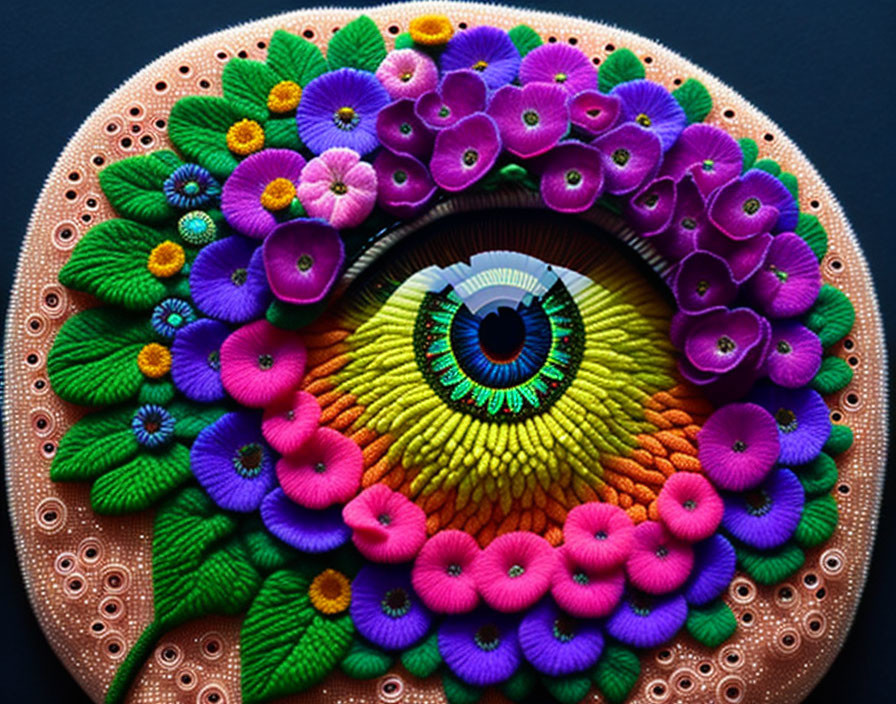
{"points": [[278, 194], [480, 66], [346, 114]]}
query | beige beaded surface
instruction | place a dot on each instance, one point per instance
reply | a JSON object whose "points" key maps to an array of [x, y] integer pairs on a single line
{"points": [[89, 577]]}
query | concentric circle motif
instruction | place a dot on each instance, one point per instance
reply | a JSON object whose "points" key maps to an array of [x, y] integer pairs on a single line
{"points": [[445, 353]]}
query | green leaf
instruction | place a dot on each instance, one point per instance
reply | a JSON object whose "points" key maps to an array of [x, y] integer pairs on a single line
{"points": [[771, 566], [819, 476], [198, 128], [110, 263], [95, 444], [266, 552], [282, 133], [196, 572], [134, 186], [520, 684], [295, 58], [832, 316], [404, 41], [292, 317], [567, 690], [811, 230], [694, 99], [840, 439], [247, 84], [750, 151], [157, 391], [285, 645], [835, 374], [790, 183], [192, 418], [459, 692], [423, 659], [616, 672], [94, 357], [770, 166], [141, 482], [619, 67], [357, 45], [818, 522], [364, 662], [525, 39], [712, 624]]}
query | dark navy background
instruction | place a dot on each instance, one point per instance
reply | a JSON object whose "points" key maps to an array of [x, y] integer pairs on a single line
{"points": [[822, 69]]}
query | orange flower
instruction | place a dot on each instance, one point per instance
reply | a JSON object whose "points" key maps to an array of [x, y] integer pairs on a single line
{"points": [[431, 30], [330, 592], [154, 360], [166, 259]]}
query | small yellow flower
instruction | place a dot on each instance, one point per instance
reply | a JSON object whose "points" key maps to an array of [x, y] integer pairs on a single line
{"points": [[166, 259], [330, 592], [278, 194], [431, 29], [284, 97], [245, 137], [154, 360]]}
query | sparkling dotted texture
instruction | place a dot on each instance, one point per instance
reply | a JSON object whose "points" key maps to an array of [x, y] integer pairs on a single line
{"points": [[89, 577]]}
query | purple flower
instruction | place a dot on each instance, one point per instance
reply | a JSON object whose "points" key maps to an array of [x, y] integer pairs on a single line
{"points": [[718, 341], [459, 95], [653, 108], [573, 178], [557, 644], [190, 186], [302, 259], [744, 257], [196, 360], [560, 64], [650, 210], [594, 112], [688, 221], [261, 187], [464, 152], [405, 186], [486, 50], [531, 119], [339, 109], [789, 281], [385, 609], [703, 282], [227, 280], [709, 154], [630, 157], [400, 130], [233, 463], [714, 564], [646, 622], [802, 418], [306, 530], [407, 73], [794, 356], [766, 517], [756, 202], [481, 647]]}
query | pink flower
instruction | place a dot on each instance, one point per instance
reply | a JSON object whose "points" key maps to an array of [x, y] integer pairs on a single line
{"points": [[338, 187], [690, 507], [658, 562], [290, 420], [515, 571], [584, 592], [407, 74], [443, 575], [598, 536], [386, 525], [325, 471], [260, 362]]}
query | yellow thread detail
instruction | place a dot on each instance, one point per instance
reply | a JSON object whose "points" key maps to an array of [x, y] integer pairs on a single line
{"points": [[330, 592], [431, 30], [154, 360], [278, 194], [166, 259], [284, 97], [245, 137]]}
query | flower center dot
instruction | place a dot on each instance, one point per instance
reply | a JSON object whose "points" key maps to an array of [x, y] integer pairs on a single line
{"points": [[573, 177], [786, 420], [702, 287], [339, 188], [516, 571], [650, 200], [480, 66], [580, 578], [661, 552], [406, 76], [278, 194], [305, 262], [405, 128], [346, 114], [454, 570], [739, 446], [239, 276], [688, 223], [621, 157], [783, 347], [265, 362], [708, 164], [396, 603], [643, 120], [759, 503], [214, 360], [444, 111], [191, 188], [471, 156], [725, 344], [247, 461], [384, 519], [487, 637], [320, 467], [564, 629], [601, 535], [782, 275], [530, 117], [400, 177], [593, 112], [689, 505], [751, 206], [560, 78]]}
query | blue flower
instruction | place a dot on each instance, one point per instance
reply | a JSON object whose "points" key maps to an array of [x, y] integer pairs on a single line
{"points": [[171, 315], [488, 50], [153, 426], [190, 186], [652, 107]]}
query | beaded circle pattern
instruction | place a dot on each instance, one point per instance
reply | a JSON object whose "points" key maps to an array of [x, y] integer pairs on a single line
{"points": [[434, 354]]}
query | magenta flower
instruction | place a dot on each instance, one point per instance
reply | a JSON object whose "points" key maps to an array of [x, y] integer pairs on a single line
{"points": [[688, 221], [406, 73], [794, 356], [459, 95], [573, 177], [401, 131], [584, 591], [719, 340], [652, 108], [338, 187], [325, 470], [290, 420], [560, 64], [651, 209], [744, 257], [738, 446], [598, 536], [689, 506], [756, 202], [788, 282], [260, 188], [486, 50], [443, 572], [709, 154], [703, 282], [515, 571], [405, 186], [531, 119], [386, 525], [594, 112], [464, 152], [302, 259], [659, 562], [630, 157]]}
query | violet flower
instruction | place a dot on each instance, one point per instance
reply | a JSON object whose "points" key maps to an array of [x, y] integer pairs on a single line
{"points": [[196, 360], [630, 157], [756, 202], [802, 419], [561, 65], [686, 224], [703, 282], [766, 517], [795, 354], [594, 112], [646, 622], [714, 565], [573, 177], [405, 186], [481, 647], [653, 108], [709, 154], [459, 95], [651, 209], [557, 644], [744, 257], [464, 152], [227, 280], [386, 610], [720, 340], [531, 119], [304, 529], [788, 282], [302, 259], [400, 130], [486, 50]]}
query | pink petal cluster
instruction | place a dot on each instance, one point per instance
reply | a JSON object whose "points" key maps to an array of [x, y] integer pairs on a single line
{"points": [[658, 562], [583, 591], [515, 571], [386, 525], [326, 470], [338, 187], [443, 572], [690, 507]]}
